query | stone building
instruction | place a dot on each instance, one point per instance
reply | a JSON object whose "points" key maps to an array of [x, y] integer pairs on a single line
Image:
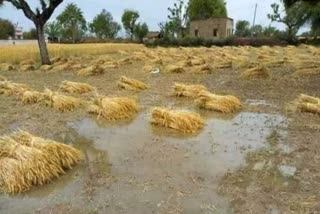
{"points": [[213, 28]]}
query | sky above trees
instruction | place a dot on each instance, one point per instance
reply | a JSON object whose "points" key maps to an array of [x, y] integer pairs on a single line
{"points": [[151, 12]]}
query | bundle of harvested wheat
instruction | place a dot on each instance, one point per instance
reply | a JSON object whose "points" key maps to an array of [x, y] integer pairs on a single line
{"points": [[111, 65], [6, 67], [174, 69], [201, 69], [61, 67], [27, 160], [55, 60], [307, 72], [183, 121], [10, 88], [68, 155], [125, 61], [76, 87], [2, 78], [131, 84], [25, 68], [91, 71], [46, 67], [223, 64], [60, 102], [182, 90], [31, 97], [256, 73], [197, 61], [223, 104], [27, 62], [114, 108], [307, 103]]}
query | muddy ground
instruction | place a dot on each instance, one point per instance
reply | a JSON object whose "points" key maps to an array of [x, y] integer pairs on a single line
{"points": [[264, 159]]}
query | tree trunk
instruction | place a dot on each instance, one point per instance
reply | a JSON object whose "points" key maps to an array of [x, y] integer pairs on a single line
{"points": [[45, 60]]}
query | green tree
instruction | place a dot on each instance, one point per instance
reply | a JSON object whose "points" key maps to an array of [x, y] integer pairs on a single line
{"points": [[204, 9], [53, 29], [295, 16], [242, 28], [141, 30], [6, 29], [129, 21], [270, 31], [256, 30], [167, 29], [31, 34], [289, 3], [178, 17], [73, 23], [39, 17], [103, 25]]}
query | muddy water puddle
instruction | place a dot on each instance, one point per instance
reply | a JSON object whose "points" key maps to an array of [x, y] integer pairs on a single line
{"points": [[135, 167]]}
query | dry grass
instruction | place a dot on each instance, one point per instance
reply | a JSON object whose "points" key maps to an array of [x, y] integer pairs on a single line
{"points": [[259, 72], [307, 72], [114, 108], [131, 84], [17, 53], [26, 68], [91, 71], [223, 104], [7, 67], [174, 69], [10, 88], [182, 121], [27, 62], [183, 90], [31, 97], [2, 78], [60, 102], [76, 87], [27, 160], [307, 103]]}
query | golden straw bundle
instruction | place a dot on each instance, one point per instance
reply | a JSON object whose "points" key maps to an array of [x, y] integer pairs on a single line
{"points": [[183, 121], [91, 71], [25, 68], [60, 102], [31, 97], [131, 84], [223, 104], [6, 67], [76, 87], [256, 73], [26, 160], [307, 72], [174, 69], [114, 108], [307, 103], [10, 88], [182, 90]]}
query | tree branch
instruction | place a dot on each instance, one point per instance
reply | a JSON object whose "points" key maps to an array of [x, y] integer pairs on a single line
{"points": [[47, 12]]}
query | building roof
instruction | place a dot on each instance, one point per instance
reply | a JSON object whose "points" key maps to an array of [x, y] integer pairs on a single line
{"points": [[199, 20], [152, 34]]}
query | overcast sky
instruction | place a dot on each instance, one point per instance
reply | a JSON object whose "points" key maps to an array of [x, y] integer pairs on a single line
{"points": [[151, 11]]}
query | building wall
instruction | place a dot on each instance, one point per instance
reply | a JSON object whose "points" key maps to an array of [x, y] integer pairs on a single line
{"points": [[215, 28]]}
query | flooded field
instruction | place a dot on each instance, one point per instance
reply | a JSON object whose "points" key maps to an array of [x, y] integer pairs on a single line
{"points": [[261, 159]]}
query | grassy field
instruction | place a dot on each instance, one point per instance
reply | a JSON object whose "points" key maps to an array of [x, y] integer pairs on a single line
{"points": [[176, 130]]}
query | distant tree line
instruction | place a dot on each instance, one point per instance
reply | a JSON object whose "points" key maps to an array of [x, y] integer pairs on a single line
{"points": [[72, 26]]}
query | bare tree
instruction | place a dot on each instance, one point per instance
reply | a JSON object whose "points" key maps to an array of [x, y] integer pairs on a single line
{"points": [[39, 17]]}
